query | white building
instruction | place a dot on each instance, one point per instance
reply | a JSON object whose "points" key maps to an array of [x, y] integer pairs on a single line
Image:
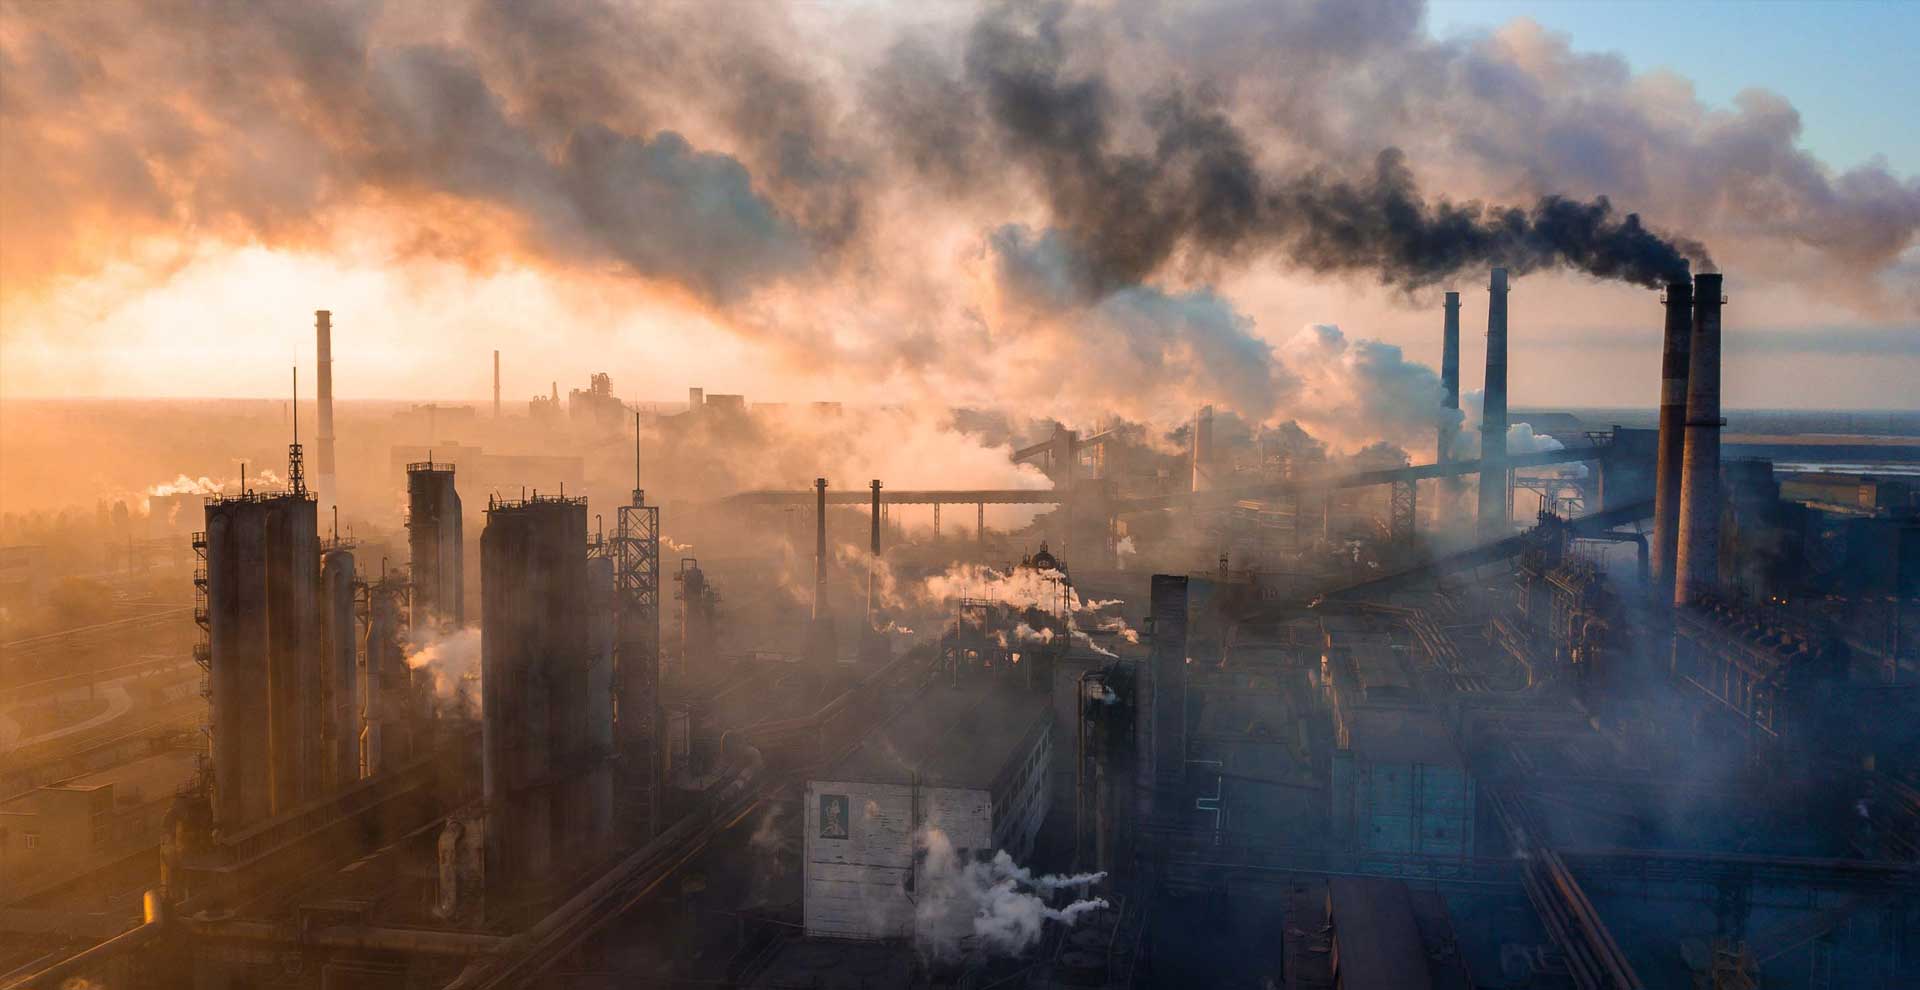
{"points": [[969, 761]]}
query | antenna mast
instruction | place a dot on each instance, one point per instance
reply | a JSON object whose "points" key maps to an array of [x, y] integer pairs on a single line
{"points": [[296, 469]]}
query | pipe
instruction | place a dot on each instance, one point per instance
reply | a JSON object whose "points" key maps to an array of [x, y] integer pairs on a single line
{"points": [[1674, 355], [1697, 559], [1496, 514]]}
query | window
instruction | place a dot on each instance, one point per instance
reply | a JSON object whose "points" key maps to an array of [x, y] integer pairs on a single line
{"points": [[33, 840]]}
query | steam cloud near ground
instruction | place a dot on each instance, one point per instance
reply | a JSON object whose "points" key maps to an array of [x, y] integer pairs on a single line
{"points": [[1007, 904]]}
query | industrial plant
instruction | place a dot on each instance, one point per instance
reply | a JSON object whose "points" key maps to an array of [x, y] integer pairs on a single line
{"points": [[1630, 708], [995, 495]]}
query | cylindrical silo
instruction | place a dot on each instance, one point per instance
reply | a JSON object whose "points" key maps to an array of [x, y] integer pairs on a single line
{"points": [[340, 666]]}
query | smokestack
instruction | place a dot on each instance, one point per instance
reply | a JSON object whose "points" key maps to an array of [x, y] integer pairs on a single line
{"points": [[876, 517], [819, 546], [823, 646], [496, 384], [1449, 375], [1697, 560], [1202, 450], [1496, 515], [1674, 355], [323, 331]]}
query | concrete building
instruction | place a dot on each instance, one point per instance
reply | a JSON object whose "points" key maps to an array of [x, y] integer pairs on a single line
{"points": [[969, 761], [56, 831]]}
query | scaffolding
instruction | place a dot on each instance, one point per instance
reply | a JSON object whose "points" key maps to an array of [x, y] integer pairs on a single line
{"points": [[1403, 510], [636, 582]]}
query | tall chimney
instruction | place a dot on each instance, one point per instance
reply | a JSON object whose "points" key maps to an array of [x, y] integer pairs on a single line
{"points": [[1450, 373], [496, 384], [1202, 479], [876, 517], [1496, 515], [819, 546], [1697, 564], [323, 331], [1674, 354]]}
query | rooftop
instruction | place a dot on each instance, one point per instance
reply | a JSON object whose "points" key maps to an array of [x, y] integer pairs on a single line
{"points": [[150, 779], [951, 736]]}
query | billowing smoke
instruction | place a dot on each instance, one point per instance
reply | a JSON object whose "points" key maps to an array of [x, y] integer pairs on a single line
{"points": [[1196, 186], [963, 201], [1000, 906]]}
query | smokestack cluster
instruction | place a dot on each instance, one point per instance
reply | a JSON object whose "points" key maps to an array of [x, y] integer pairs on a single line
{"points": [[1697, 560], [323, 332], [1495, 514], [1675, 351]]}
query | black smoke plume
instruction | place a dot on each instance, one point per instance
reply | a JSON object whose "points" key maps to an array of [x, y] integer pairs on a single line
{"points": [[1199, 188]]}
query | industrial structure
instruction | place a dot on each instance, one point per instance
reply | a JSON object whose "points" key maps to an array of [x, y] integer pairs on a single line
{"points": [[1221, 707], [434, 526]]}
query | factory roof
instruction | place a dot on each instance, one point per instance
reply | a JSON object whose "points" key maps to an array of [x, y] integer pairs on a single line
{"points": [[150, 779], [951, 736]]}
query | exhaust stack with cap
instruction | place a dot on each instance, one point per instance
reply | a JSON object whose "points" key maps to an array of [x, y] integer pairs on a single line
{"points": [[1697, 564], [1675, 349], [323, 332], [1496, 515]]}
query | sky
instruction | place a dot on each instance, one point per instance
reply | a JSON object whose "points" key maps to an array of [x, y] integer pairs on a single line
{"points": [[1080, 210], [1846, 64]]}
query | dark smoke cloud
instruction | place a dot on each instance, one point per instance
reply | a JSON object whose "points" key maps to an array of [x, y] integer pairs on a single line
{"points": [[1200, 188]]}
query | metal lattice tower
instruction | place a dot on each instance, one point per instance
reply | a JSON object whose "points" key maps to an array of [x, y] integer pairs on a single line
{"points": [[1403, 506], [636, 602]]}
